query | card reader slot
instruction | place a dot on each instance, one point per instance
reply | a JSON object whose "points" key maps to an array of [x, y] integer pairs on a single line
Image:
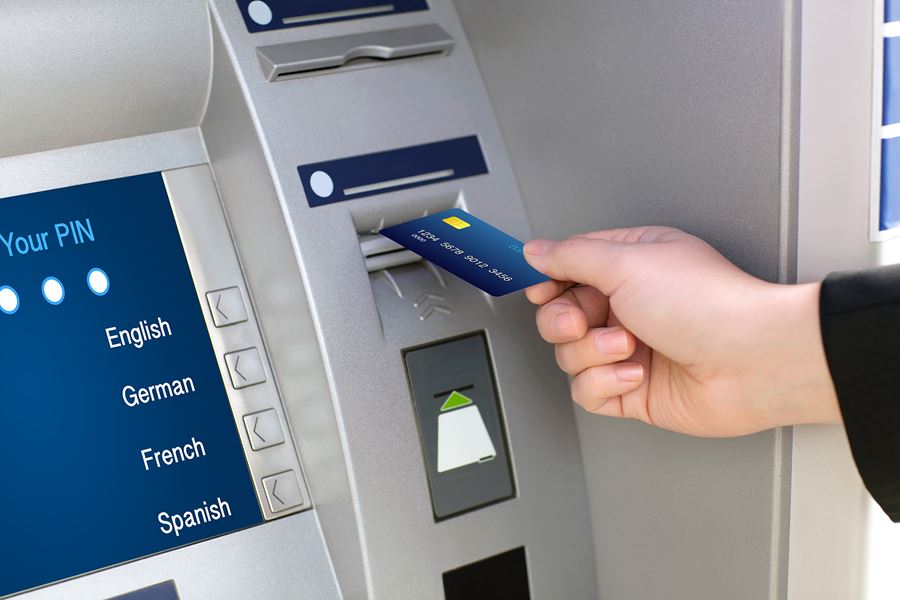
{"points": [[381, 253], [373, 245], [370, 218], [295, 59], [391, 260]]}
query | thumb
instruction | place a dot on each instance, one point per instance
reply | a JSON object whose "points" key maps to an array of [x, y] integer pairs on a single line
{"points": [[601, 264]]}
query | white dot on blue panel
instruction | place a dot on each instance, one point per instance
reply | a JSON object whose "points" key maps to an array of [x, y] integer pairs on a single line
{"points": [[53, 291], [9, 300], [98, 281], [260, 12], [321, 183]]}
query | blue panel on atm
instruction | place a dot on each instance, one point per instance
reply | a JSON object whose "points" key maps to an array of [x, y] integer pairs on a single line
{"points": [[119, 438], [891, 95], [890, 184], [891, 10], [265, 15], [413, 166]]}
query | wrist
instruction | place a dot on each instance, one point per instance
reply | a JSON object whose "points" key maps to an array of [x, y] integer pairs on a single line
{"points": [[796, 369]]}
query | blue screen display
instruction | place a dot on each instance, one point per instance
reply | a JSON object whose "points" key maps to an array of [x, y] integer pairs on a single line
{"points": [[119, 440]]}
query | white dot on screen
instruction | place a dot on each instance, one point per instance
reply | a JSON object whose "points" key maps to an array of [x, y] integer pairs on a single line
{"points": [[98, 281], [260, 12], [9, 300], [53, 290], [321, 184]]}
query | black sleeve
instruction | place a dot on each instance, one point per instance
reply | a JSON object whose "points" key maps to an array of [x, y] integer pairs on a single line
{"points": [[860, 315]]}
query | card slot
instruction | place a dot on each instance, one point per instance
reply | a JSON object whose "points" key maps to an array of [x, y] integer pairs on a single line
{"points": [[382, 253], [371, 217], [391, 260], [375, 244]]}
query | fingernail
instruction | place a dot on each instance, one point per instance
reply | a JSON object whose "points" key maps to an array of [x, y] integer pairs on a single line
{"points": [[535, 247], [630, 372], [614, 341], [564, 324]]}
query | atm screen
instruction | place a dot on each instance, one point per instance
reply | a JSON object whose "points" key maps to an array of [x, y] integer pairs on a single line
{"points": [[119, 439]]}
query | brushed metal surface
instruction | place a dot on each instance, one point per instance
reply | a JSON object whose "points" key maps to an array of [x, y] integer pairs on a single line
{"points": [[74, 73], [275, 284], [644, 112], [275, 561], [361, 333]]}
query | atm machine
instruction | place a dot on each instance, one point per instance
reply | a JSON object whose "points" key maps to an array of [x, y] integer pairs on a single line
{"points": [[220, 382]]}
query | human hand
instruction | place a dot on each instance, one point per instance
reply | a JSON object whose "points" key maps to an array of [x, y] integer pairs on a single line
{"points": [[655, 325]]}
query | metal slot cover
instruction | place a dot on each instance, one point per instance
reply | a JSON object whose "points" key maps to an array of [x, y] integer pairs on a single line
{"points": [[294, 59]]}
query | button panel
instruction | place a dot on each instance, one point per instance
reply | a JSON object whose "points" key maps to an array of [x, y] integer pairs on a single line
{"points": [[263, 429], [257, 411], [227, 306]]}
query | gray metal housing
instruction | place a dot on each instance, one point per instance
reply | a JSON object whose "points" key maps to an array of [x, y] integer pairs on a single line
{"points": [[190, 90], [257, 132]]}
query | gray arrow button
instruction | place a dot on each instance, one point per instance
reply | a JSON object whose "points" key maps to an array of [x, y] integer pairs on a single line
{"points": [[227, 306], [263, 429], [245, 367], [283, 491]]}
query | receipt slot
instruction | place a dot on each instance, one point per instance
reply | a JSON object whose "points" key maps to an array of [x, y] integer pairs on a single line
{"points": [[461, 429]]}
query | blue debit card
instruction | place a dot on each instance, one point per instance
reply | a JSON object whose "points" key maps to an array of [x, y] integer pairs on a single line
{"points": [[470, 249]]}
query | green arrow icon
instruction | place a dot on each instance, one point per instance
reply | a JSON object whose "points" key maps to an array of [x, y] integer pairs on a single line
{"points": [[455, 400]]}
